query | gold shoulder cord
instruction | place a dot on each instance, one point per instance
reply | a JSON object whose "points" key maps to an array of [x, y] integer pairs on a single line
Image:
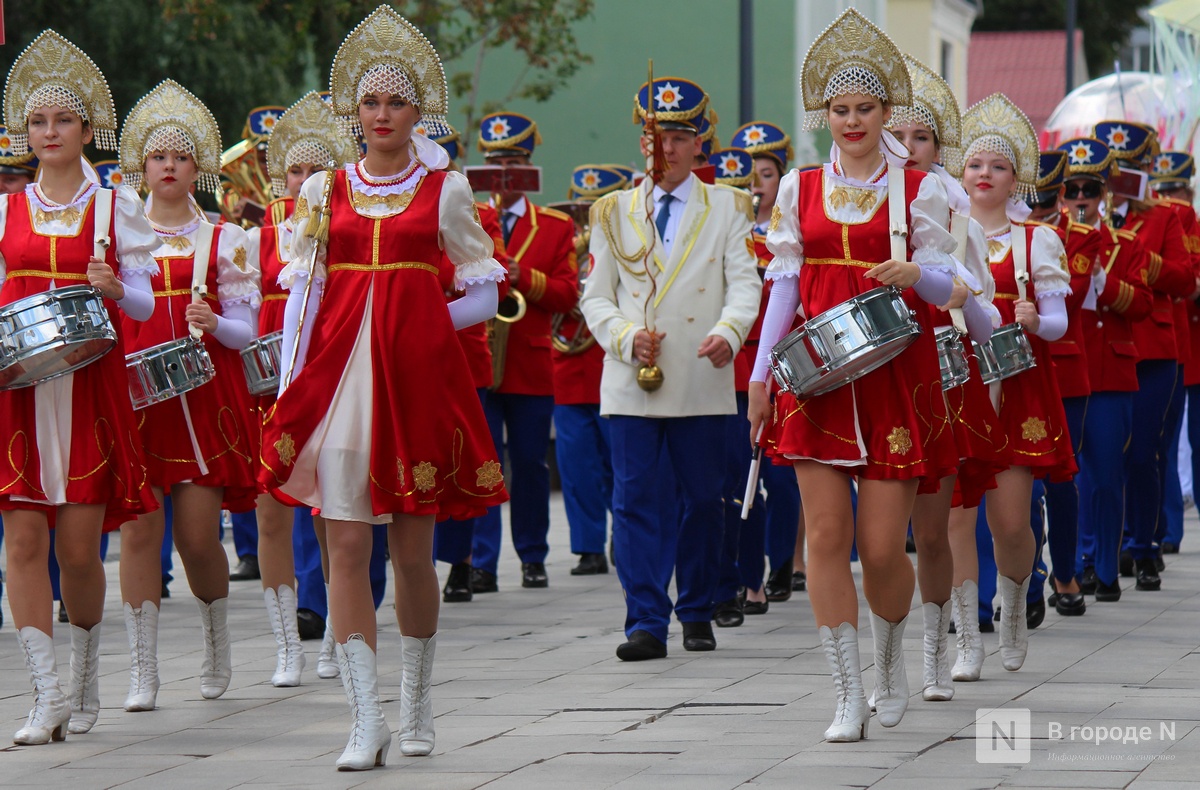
{"points": [[606, 208]]}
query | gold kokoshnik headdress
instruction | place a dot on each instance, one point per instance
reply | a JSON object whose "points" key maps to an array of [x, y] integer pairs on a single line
{"points": [[996, 125], [387, 54], [933, 104], [169, 118], [307, 133], [852, 56], [53, 72]]}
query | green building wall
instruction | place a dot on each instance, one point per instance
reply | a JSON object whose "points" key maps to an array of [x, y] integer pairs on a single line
{"points": [[590, 119]]}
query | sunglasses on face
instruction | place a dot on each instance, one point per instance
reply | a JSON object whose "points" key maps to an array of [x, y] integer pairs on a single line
{"points": [[1089, 190]]}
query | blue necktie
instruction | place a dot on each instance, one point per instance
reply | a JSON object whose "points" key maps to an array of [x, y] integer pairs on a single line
{"points": [[507, 224], [664, 215]]}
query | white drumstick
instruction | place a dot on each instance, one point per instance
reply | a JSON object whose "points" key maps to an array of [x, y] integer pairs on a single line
{"points": [[198, 292], [752, 478]]}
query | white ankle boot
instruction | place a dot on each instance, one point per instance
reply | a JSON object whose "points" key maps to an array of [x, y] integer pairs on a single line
{"points": [[327, 663], [969, 662], [85, 679], [416, 703], [217, 668], [281, 609], [936, 683], [141, 625], [891, 679], [370, 737], [851, 716], [1014, 633], [51, 711]]}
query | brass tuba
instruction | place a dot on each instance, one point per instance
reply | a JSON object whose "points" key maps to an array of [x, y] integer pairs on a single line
{"points": [[581, 339]]}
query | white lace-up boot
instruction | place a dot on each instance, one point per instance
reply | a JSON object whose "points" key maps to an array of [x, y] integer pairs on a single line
{"points": [[85, 679], [141, 625], [969, 662], [370, 737], [217, 667], [416, 703], [851, 717], [51, 711]]}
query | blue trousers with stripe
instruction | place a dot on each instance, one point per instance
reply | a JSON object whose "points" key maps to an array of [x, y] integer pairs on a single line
{"points": [[581, 449], [1103, 482], [1145, 463]]}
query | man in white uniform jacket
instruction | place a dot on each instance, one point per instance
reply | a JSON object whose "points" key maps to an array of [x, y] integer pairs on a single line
{"points": [[700, 303]]}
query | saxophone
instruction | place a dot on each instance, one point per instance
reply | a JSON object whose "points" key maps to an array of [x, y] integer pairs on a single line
{"points": [[508, 312]]}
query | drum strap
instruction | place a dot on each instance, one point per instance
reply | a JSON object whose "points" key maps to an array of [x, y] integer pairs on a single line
{"points": [[897, 216], [204, 239], [959, 223], [103, 216], [1020, 255]]}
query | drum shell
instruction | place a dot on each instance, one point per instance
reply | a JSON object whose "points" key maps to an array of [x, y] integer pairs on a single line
{"points": [[51, 334], [167, 370], [844, 343], [1007, 353], [952, 358], [261, 362]]}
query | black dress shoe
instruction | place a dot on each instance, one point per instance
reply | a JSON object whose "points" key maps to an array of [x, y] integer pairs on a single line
{"points": [[246, 570], [458, 584], [728, 614], [483, 581], [533, 574], [590, 565], [1159, 565], [1170, 548], [1035, 613], [310, 624], [910, 545], [1052, 599], [799, 581], [641, 646], [1147, 575], [698, 637], [1125, 564], [62, 613], [756, 607], [1109, 593], [166, 591], [1088, 581], [1070, 604], [779, 583], [987, 626]]}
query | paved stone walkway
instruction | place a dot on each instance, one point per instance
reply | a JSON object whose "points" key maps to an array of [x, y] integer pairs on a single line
{"points": [[528, 694]]}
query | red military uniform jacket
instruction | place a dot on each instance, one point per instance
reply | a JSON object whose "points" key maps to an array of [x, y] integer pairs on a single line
{"points": [[474, 338], [542, 244], [1083, 243], [1125, 301], [743, 363], [1168, 273], [1191, 241]]}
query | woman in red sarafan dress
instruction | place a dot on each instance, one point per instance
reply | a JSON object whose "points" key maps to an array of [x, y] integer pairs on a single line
{"points": [[378, 419], [200, 445], [931, 130], [830, 234], [304, 140], [74, 454], [1001, 161]]}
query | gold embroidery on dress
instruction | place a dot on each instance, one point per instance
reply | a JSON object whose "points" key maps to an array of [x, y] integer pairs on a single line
{"points": [[301, 210], [1062, 262], [996, 249], [239, 258], [489, 475], [68, 216], [899, 441], [394, 203], [286, 449], [864, 199], [475, 211], [400, 470], [1033, 430], [776, 216], [177, 243], [424, 476]]}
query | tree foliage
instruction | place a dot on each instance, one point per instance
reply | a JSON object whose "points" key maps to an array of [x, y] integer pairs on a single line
{"points": [[1105, 23], [239, 54]]}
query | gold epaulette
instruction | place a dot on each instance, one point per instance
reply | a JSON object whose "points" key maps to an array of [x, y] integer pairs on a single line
{"points": [[278, 210], [602, 209], [741, 199], [1175, 201], [1127, 235], [553, 212], [1080, 227], [1036, 222]]}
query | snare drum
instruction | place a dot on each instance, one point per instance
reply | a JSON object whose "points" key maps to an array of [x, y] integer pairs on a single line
{"points": [[167, 370], [844, 343], [261, 361], [952, 358], [1006, 354], [51, 334]]}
